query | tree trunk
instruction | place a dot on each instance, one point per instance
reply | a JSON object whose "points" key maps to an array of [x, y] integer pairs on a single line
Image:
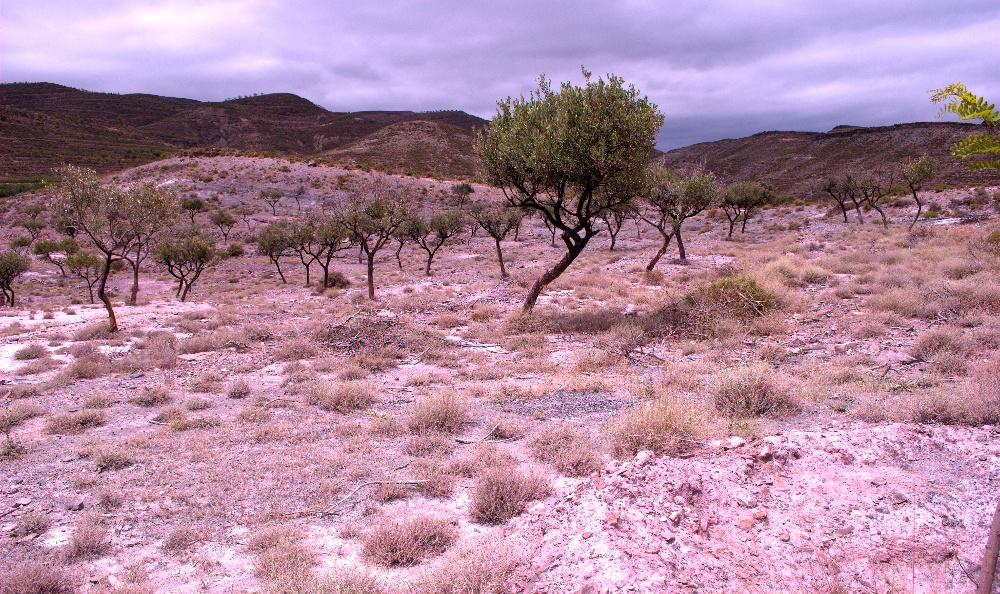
{"points": [[571, 253], [920, 208], [988, 571], [663, 249], [680, 242], [857, 208], [885, 221], [399, 261], [843, 207], [371, 276], [280, 273], [105, 273], [503, 270], [732, 223], [746, 215], [133, 296]]}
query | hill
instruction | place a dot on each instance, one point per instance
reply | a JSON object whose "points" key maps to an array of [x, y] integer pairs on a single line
{"points": [[43, 125], [796, 161], [421, 147]]}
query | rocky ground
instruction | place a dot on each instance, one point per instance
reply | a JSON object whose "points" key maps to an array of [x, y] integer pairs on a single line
{"points": [[882, 478]]}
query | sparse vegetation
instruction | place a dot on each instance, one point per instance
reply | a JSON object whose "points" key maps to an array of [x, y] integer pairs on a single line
{"points": [[409, 541]]}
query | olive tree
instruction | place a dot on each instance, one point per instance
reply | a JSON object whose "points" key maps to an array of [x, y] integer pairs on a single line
{"points": [[430, 233], [153, 214], [742, 198], [377, 210], [224, 221], [48, 248], [839, 190], [272, 196], [461, 192], [87, 266], [873, 186], [192, 205], [12, 266], [118, 222], [570, 154], [670, 200], [498, 222], [916, 172], [275, 241], [185, 259]]}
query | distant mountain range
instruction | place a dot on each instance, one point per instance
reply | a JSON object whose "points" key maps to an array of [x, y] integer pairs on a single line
{"points": [[44, 125], [797, 162]]}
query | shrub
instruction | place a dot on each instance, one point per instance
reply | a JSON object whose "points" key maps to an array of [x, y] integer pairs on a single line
{"points": [[570, 451], [753, 392], [180, 539], [239, 388], [90, 539], [32, 351], [17, 413], [408, 542], [152, 396], [501, 493], [343, 397], [444, 411], [73, 423], [437, 481], [31, 523], [946, 339], [666, 426], [92, 331], [37, 578], [477, 568], [111, 458]]}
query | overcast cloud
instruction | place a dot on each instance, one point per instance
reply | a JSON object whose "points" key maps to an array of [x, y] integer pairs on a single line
{"points": [[717, 69]]}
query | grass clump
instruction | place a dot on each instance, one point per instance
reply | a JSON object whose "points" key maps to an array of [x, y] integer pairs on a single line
{"points": [[37, 578], [73, 423], [17, 413], [90, 539], [753, 392], [444, 412], [239, 388], [408, 542], [152, 396], [500, 493], [111, 458], [570, 451], [668, 425], [480, 567], [343, 397], [30, 352]]}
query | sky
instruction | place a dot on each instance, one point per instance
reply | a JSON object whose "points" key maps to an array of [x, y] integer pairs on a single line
{"points": [[716, 69]]}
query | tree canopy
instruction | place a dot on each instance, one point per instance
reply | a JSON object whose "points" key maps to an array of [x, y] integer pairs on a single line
{"points": [[570, 154]]}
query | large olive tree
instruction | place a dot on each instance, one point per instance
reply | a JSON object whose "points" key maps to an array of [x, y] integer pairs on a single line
{"points": [[570, 154], [117, 221], [378, 208]]}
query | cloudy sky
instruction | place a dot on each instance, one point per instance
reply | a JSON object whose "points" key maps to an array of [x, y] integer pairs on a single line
{"points": [[717, 69]]}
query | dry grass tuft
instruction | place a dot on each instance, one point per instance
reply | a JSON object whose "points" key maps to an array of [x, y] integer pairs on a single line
{"points": [[93, 331], [152, 396], [437, 480], [239, 388], [343, 397], [480, 567], [501, 493], [30, 352], [111, 458], [669, 425], [73, 423], [444, 411], [753, 391], [17, 413], [31, 523], [570, 451], [37, 578], [181, 539], [90, 539], [408, 542]]}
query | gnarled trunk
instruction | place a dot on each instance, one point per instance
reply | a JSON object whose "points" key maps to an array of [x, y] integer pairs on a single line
{"points": [[663, 249], [573, 249], [103, 296]]}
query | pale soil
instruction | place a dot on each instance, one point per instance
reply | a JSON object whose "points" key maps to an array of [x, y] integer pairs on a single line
{"points": [[837, 504]]}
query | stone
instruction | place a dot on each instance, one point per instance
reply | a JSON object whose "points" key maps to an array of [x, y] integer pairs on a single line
{"points": [[760, 515], [70, 503], [784, 536], [733, 442], [22, 502], [746, 523], [587, 535], [642, 458]]}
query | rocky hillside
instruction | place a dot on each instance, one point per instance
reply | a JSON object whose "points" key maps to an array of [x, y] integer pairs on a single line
{"points": [[43, 125], [795, 161]]}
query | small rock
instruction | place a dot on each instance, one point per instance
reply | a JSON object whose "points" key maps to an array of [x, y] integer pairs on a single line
{"points": [[845, 346], [642, 458], [733, 442], [746, 523], [587, 534], [897, 498], [765, 453], [611, 518], [669, 536], [70, 503], [760, 515], [845, 531], [22, 502], [675, 517], [652, 548], [784, 536]]}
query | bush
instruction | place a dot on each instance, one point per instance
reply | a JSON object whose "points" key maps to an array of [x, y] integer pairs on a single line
{"points": [[73, 423], [477, 568], [32, 351], [152, 396], [570, 451], [666, 426], [408, 542], [17, 413], [344, 397], [110, 458], [501, 493], [444, 411], [713, 308], [37, 578], [90, 539], [239, 388], [753, 392]]}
